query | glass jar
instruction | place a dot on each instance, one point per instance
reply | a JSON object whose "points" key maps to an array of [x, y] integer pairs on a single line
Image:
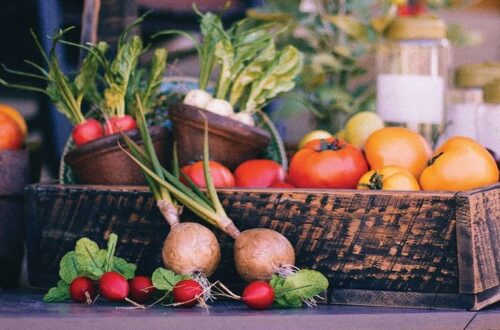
{"points": [[412, 72], [489, 117]]}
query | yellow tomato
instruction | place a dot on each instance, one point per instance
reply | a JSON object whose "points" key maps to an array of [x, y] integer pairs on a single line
{"points": [[313, 135], [388, 178], [460, 164], [398, 146]]}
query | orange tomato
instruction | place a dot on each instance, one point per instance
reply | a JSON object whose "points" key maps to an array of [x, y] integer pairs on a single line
{"points": [[16, 116], [388, 178], [460, 164], [397, 146], [11, 136]]}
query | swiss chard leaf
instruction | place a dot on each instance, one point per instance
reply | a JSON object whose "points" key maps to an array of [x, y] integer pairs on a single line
{"points": [[60, 293]]}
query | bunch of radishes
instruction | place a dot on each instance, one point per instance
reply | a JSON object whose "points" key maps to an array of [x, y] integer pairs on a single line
{"points": [[107, 85]]}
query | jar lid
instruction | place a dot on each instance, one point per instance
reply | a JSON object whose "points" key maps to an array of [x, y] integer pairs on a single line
{"points": [[418, 27], [477, 75], [492, 92]]}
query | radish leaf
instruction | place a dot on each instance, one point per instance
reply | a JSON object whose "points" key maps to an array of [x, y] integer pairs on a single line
{"points": [[123, 267], [60, 293], [164, 279], [68, 267]]}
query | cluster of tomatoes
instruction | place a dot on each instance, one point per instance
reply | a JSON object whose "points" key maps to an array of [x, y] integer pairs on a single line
{"points": [[13, 129], [394, 158]]}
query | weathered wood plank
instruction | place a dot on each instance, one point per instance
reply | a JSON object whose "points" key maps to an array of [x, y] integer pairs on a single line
{"points": [[478, 235]]}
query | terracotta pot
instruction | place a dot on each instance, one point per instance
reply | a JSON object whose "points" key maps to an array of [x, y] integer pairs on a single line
{"points": [[102, 161], [231, 142], [14, 176]]}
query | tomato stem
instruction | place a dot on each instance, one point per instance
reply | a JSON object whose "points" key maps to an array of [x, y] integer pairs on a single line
{"points": [[334, 145], [433, 159]]}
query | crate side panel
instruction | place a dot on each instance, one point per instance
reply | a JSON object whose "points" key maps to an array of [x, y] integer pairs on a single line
{"points": [[478, 230], [391, 242]]}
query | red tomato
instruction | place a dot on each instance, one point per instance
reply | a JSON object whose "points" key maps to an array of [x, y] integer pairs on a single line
{"points": [[282, 185], [221, 175], [327, 163], [259, 173], [87, 131]]}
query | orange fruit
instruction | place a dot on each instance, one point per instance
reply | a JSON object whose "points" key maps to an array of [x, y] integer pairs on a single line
{"points": [[16, 116], [11, 136], [397, 146]]}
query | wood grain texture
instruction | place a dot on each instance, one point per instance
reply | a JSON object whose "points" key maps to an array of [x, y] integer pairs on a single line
{"points": [[478, 232], [362, 240]]}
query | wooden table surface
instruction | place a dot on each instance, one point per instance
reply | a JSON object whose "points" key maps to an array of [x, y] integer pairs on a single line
{"points": [[26, 310]]}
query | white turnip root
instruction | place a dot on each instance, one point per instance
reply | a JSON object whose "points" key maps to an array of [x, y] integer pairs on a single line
{"points": [[197, 98], [220, 107], [260, 253], [244, 117], [191, 248]]}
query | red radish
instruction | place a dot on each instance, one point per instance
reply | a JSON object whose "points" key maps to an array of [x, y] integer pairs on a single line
{"points": [[187, 292], [258, 295], [82, 289], [113, 286], [119, 124], [141, 288], [282, 185], [87, 131]]}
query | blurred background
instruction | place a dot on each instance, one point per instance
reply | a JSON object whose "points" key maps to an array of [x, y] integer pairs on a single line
{"points": [[477, 23]]}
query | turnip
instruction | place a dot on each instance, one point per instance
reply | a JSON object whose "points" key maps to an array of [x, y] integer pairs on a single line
{"points": [[197, 98], [189, 248], [244, 117], [259, 253], [141, 289], [187, 292], [220, 107], [82, 289]]}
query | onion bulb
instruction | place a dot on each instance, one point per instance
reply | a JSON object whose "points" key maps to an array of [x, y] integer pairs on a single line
{"points": [[220, 107], [197, 98], [244, 117]]}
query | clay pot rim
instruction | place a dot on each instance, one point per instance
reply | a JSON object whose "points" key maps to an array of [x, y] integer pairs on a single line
{"points": [[220, 125], [106, 144]]}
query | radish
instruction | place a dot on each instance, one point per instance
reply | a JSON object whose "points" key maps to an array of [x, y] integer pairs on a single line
{"points": [[118, 124], [86, 131], [141, 288], [197, 98], [113, 286], [258, 295], [220, 107], [82, 289], [187, 292]]}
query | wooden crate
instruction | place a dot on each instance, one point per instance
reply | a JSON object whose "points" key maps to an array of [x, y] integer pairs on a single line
{"points": [[415, 249]]}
